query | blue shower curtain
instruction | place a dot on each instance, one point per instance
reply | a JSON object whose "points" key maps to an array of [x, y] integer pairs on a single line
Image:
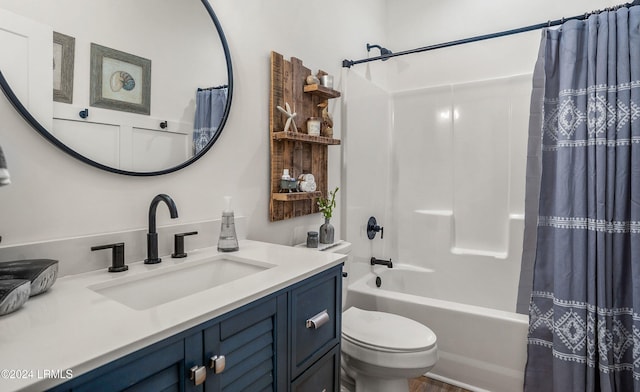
{"points": [[210, 105], [584, 328]]}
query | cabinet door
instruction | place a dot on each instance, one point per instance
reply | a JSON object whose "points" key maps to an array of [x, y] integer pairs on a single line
{"points": [[322, 376], [159, 369], [253, 344]]}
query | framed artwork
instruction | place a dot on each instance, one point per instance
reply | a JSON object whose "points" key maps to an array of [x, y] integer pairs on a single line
{"points": [[120, 81], [63, 58]]}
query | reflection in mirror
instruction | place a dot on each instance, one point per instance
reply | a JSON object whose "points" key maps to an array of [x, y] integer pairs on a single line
{"points": [[150, 80]]}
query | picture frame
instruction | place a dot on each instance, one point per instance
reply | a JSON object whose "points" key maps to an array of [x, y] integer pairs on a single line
{"points": [[119, 80], [63, 61]]}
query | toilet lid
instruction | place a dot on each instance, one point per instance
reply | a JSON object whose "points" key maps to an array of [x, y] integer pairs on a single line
{"points": [[386, 331]]}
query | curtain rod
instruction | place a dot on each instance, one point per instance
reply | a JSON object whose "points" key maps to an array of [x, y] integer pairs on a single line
{"points": [[550, 23]]}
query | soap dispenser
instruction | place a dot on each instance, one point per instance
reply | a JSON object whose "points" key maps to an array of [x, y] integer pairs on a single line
{"points": [[228, 241]]}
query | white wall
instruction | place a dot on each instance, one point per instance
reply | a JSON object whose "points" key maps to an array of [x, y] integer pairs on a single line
{"points": [[54, 196], [414, 23]]}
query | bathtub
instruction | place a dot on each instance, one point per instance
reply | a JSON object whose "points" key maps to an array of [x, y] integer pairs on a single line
{"points": [[480, 348]]}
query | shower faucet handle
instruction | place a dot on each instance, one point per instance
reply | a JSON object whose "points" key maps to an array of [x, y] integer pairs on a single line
{"points": [[373, 228]]}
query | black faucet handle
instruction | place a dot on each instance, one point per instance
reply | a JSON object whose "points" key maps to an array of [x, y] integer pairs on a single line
{"points": [[373, 228], [117, 256], [178, 244]]}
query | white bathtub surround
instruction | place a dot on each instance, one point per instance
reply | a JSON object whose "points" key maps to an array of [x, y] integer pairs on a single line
{"points": [[90, 330], [461, 148], [472, 276], [456, 149], [479, 348]]}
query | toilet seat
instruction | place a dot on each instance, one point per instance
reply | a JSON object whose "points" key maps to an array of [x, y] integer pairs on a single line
{"points": [[386, 332]]}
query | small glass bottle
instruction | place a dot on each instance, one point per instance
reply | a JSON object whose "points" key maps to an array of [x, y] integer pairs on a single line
{"points": [[228, 241]]}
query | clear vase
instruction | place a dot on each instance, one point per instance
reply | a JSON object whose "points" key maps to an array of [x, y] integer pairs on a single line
{"points": [[326, 232]]}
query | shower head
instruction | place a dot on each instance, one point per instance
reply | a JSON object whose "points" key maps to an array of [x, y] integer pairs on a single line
{"points": [[383, 51]]}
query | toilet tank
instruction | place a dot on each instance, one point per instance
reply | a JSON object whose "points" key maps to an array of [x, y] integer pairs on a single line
{"points": [[342, 247]]}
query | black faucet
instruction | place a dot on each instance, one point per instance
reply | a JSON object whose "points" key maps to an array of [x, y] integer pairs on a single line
{"points": [[375, 261], [152, 236]]}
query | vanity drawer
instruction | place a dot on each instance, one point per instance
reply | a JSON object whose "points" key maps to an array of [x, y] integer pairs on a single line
{"points": [[315, 319], [322, 376]]}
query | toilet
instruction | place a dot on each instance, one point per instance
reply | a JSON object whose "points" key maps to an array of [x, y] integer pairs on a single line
{"points": [[381, 351]]}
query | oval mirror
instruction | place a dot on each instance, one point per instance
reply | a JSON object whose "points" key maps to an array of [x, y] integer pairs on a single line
{"points": [[138, 87]]}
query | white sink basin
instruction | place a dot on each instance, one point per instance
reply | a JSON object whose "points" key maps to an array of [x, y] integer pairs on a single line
{"points": [[157, 287]]}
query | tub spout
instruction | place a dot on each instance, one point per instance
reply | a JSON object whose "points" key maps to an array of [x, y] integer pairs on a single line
{"points": [[375, 261]]}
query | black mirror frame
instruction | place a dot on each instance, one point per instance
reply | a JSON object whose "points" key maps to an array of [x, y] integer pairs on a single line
{"points": [[8, 92]]}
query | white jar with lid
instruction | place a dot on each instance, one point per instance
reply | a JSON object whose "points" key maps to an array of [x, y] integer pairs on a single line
{"points": [[313, 126]]}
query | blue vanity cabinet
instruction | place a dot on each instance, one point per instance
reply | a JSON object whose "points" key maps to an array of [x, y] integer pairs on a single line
{"points": [[266, 345]]}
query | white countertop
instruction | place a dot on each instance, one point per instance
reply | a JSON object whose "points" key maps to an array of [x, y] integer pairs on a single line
{"points": [[72, 327]]}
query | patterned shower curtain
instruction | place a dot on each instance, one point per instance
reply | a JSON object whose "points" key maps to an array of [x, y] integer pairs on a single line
{"points": [[210, 105], [584, 326]]}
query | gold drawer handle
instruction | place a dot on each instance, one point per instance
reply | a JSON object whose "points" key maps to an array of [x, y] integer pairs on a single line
{"points": [[318, 320]]}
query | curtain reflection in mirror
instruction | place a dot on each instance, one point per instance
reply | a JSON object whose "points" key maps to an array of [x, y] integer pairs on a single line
{"points": [[5, 178], [210, 105]]}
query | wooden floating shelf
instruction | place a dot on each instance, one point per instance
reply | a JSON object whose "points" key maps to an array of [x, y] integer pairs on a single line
{"points": [[324, 92], [297, 152], [295, 196], [303, 137]]}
